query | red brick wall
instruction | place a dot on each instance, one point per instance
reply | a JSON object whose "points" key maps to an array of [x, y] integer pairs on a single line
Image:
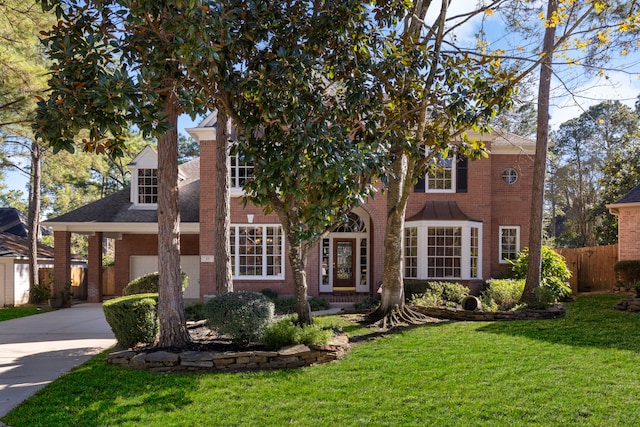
{"points": [[629, 233], [144, 244]]}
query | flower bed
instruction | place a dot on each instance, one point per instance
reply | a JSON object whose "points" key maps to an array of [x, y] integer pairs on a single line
{"points": [[553, 312]]}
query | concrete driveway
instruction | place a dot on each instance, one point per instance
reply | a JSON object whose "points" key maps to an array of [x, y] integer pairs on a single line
{"points": [[35, 350]]}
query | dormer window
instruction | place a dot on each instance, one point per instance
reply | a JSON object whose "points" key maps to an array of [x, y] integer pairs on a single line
{"points": [[144, 179], [147, 186]]}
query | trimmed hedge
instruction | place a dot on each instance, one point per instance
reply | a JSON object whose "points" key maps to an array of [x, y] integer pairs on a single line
{"points": [[133, 318], [241, 315], [627, 272], [148, 283]]}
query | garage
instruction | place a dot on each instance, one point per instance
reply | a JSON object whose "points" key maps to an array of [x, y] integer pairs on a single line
{"points": [[190, 264]]}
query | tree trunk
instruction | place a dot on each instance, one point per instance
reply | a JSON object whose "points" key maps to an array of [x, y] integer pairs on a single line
{"points": [[298, 261], [392, 284], [34, 217], [542, 140], [224, 282], [173, 329]]}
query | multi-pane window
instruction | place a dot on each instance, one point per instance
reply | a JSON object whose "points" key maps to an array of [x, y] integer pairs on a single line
{"points": [[510, 175], [257, 251], [509, 243], [474, 252], [411, 252], [444, 251], [241, 170], [441, 178], [147, 186]]}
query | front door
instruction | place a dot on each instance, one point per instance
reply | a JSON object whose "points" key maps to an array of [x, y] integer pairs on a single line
{"points": [[344, 265]]}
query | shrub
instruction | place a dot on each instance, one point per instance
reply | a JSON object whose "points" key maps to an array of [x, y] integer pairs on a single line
{"points": [[441, 293], [133, 319], [554, 272], [627, 272], [148, 283], [367, 303], [41, 292], [269, 293], [318, 304], [194, 311], [503, 294], [414, 287], [241, 315], [285, 305], [285, 332]]}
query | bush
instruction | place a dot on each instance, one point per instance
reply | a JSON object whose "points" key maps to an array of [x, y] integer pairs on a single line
{"points": [[502, 294], [241, 315], [285, 332], [627, 272], [554, 272], [318, 304], [441, 293], [367, 303], [269, 293], [285, 305], [194, 311], [148, 283], [133, 319], [414, 288]]}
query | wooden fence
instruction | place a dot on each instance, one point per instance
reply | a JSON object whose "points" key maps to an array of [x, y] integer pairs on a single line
{"points": [[78, 280], [109, 281], [591, 268]]}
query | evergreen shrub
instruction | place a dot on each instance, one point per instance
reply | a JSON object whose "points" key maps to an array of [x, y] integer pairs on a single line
{"points": [[133, 318], [502, 294], [148, 283], [285, 332], [243, 316]]}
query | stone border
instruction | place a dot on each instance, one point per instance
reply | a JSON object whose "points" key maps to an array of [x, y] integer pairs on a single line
{"points": [[554, 312], [210, 361], [631, 304]]}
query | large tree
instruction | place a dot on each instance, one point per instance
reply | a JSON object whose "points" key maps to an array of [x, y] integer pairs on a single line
{"points": [[118, 64]]}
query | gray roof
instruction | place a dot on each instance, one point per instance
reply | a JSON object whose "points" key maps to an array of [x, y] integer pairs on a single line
{"points": [[116, 207], [632, 196]]}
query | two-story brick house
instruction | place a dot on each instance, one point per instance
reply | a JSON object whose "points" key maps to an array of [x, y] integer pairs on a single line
{"points": [[461, 225]]}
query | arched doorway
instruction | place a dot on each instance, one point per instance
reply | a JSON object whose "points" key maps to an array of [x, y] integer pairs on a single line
{"points": [[344, 256]]}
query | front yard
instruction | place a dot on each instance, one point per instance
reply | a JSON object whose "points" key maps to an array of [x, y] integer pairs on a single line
{"points": [[581, 370]]}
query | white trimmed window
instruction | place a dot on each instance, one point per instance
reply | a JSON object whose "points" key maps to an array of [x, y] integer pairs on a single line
{"points": [[257, 251], [241, 170], [411, 252], [147, 186], [443, 250], [442, 179], [509, 243]]}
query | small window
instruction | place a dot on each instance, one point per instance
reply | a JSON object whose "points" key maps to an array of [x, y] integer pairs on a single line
{"points": [[510, 175], [509, 243], [147, 186]]}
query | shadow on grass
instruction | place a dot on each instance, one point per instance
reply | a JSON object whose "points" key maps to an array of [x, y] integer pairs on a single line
{"points": [[590, 322]]}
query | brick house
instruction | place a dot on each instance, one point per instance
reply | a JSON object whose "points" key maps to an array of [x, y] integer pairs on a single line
{"points": [[462, 223], [627, 209]]}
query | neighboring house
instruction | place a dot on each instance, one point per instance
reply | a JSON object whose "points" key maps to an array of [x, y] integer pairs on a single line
{"points": [[627, 209], [462, 223], [14, 258]]}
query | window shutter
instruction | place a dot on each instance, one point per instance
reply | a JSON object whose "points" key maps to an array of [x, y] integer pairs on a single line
{"points": [[420, 186], [462, 175]]}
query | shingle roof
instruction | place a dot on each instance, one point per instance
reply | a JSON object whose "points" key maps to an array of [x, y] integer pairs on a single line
{"points": [[441, 211], [116, 207], [15, 246], [632, 196]]}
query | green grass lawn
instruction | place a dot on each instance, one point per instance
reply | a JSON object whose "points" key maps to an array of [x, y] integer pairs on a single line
{"points": [[7, 313], [577, 371]]}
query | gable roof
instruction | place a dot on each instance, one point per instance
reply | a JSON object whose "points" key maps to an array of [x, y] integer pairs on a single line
{"points": [[15, 247], [13, 221], [117, 207], [632, 196], [441, 210]]}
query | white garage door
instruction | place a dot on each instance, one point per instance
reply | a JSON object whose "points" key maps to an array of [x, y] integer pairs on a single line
{"points": [[190, 264]]}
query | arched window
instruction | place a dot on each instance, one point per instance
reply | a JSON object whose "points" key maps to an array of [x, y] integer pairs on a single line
{"points": [[354, 224]]}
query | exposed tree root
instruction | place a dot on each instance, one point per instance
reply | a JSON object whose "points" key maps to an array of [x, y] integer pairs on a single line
{"points": [[399, 316]]}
